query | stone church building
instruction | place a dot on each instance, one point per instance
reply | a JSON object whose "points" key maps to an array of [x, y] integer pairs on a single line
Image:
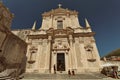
{"points": [[60, 44]]}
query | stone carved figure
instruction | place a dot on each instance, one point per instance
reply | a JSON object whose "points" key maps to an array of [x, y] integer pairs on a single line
{"points": [[60, 45]]}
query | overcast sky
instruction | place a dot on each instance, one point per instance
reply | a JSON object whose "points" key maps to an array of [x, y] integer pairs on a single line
{"points": [[103, 16]]}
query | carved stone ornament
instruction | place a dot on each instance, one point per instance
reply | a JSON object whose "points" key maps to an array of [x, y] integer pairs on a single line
{"points": [[59, 46], [88, 48]]}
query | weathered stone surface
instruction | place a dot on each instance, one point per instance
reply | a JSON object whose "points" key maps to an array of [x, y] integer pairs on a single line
{"points": [[61, 41], [5, 17], [86, 76], [12, 48]]}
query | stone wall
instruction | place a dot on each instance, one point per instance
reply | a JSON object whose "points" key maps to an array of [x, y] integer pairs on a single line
{"points": [[12, 48], [12, 52], [5, 17]]}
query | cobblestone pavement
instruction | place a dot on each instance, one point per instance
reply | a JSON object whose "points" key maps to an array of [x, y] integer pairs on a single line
{"points": [[90, 76]]}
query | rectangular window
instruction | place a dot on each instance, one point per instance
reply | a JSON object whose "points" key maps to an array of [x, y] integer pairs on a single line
{"points": [[59, 24]]}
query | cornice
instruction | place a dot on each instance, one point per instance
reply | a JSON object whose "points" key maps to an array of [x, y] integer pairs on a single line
{"points": [[89, 34], [43, 36], [61, 33]]}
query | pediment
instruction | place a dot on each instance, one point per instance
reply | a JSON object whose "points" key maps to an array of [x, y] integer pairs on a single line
{"points": [[59, 11]]}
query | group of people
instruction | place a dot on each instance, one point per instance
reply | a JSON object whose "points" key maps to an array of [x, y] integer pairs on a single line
{"points": [[69, 72], [115, 74], [111, 71]]}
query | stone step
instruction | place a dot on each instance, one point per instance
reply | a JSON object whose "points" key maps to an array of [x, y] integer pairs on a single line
{"points": [[90, 76], [74, 79], [67, 79]]}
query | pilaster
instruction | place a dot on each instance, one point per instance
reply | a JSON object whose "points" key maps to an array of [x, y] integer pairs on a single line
{"points": [[75, 56], [53, 62], [71, 52], [49, 55]]}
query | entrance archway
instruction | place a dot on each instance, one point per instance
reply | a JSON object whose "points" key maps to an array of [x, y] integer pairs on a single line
{"points": [[60, 62]]}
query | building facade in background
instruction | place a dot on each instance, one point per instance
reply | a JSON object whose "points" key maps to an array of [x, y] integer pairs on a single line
{"points": [[60, 44]]}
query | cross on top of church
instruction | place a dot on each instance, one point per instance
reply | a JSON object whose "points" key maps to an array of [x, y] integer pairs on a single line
{"points": [[59, 5]]}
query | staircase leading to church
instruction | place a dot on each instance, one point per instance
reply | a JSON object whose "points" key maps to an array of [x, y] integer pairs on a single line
{"points": [[33, 76]]}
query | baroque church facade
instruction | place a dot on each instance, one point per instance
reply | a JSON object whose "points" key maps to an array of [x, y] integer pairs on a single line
{"points": [[60, 44]]}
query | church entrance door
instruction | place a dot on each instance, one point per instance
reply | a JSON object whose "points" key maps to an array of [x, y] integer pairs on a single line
{"points": [[60, 62]]}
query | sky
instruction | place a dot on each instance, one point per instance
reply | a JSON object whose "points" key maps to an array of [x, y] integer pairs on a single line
{"points": [[103, 16]]}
